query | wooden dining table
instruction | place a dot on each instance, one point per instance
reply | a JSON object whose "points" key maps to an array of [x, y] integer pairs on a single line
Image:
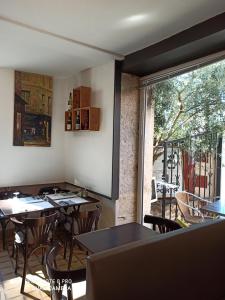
{"points": [[105, 239]]}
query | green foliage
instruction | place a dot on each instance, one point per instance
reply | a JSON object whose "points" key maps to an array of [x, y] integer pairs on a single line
{"points": [[190, 104]]}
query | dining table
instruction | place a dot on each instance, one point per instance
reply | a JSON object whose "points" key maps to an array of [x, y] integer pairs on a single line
{"points": [[108, 238], [217, 208], [44, 204], [21, 206]]}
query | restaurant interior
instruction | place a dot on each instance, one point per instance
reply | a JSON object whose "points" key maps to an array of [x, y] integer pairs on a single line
{"points": [[82, 215]]}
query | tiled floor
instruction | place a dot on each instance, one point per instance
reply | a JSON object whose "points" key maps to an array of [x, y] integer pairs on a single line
{"points": [[36, 277]]}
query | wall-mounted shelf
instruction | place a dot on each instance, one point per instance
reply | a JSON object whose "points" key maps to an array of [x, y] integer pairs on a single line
{"points": [[82, 117]]}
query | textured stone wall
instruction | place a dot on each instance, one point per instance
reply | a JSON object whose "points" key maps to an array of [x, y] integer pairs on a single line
{"points": [[126, 205]]}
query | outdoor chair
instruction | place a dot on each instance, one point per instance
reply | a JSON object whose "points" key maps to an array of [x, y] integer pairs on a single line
{"points": [[59, 278], [77, 223], [161, 225], [191, 214], [31, 235]]}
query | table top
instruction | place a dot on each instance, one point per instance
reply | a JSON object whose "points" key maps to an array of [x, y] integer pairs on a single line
{"points": [[217, 207], [100, 240], [17, 206], [167, 184]]}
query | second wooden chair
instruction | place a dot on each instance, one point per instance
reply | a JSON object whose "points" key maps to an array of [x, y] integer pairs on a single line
{"points": [[77, 223], [59, 278], [160, 224]]}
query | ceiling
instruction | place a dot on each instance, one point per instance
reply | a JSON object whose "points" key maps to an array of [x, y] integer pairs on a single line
{"points": [[120, 27]]}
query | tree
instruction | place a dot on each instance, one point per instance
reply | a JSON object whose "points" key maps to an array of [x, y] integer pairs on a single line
{"points": [[189, 104]]}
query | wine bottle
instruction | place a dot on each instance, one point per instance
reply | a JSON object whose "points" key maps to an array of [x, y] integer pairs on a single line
{"points": [[69, 123], [78, 120], [70, 102]]}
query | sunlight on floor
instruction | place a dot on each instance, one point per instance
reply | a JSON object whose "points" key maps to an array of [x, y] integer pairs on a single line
{"points": [[36, 287]]}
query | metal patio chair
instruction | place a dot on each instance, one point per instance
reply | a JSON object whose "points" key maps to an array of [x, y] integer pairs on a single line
{"points": [[191, 214]]}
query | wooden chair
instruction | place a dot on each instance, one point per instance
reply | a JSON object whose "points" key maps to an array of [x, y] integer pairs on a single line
{"points": [[32, 234], [58, 278], [77, 223], [4, 222], [191, 214], [51, 190], [160, 224]]}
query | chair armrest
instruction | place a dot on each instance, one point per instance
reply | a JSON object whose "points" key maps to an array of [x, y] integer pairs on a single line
{"points": [[192, 208], [199, 198]]}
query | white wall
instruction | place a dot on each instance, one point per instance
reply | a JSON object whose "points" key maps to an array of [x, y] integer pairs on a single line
{"points": [[89, 154], [85, 156], [29, 165]]}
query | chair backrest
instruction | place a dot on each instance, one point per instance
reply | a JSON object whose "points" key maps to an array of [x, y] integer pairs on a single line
{"points": [[59, 278], [87, 220], [6, 195], [39, 230], [160, 224], [182, 199], [48, 190], [10, 194]]}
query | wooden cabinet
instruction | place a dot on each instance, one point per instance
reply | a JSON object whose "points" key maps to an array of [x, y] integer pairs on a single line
{"points": [[83, 116]]}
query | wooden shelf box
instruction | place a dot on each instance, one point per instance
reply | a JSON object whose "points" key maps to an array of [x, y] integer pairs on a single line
{"points": [[81, 97], [89, 116]]}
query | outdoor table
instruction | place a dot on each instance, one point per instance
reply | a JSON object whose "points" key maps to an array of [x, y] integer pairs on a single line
{"points": [[217, 207]]}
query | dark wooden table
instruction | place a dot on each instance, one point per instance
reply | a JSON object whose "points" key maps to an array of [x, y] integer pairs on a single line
{"points": [[217, 208], [100, 240]]}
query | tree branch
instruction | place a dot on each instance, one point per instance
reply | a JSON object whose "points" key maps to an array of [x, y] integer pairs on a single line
{"points": [[188, 119]]}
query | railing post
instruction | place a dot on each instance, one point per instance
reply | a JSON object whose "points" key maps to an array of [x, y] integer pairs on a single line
{"points": [[165, 177], [218, 165]]}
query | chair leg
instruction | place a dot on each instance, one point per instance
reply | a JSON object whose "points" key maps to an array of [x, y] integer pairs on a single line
{"points": [[3, 223], [69, 292], [71, 255], [17, 250], [13, 251], [56, 292], [43, 256], [65, 250], [24, 274]]}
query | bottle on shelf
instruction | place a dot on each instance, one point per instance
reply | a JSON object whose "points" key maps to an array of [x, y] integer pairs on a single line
{"points": [[77, 127], [70, 102], [69, 122]]}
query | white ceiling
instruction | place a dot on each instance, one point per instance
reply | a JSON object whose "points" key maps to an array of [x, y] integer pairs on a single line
{"points": [[118, 26]]}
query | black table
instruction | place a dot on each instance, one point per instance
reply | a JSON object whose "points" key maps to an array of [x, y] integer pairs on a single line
{"points": [[100, 240], [217, 208], [21, 206]]}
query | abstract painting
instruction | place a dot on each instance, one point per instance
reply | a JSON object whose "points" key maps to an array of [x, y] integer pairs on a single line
{"points": [[32, 109]]}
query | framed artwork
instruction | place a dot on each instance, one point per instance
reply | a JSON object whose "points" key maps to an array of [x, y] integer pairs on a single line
{"points": [[32, 109]]}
